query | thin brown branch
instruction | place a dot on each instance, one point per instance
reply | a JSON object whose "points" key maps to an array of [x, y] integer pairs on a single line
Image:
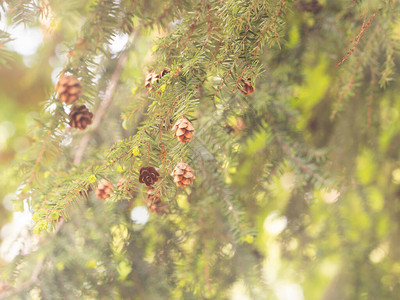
{"points": [[357, 39]]}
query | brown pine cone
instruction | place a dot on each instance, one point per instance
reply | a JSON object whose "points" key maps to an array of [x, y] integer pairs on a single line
{"points": [[68, 89], [104, 189], [178, 71], [183, 130], [124, 186], [80, 117], [183, 174], [150, 78], [154, 77], [164, 71], [153, 202], [245, 87], [148, 175]]}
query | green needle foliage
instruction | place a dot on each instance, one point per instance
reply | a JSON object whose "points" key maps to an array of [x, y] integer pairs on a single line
{"points": [[296, 114]]}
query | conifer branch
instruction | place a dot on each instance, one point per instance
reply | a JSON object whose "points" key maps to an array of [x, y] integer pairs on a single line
{"points": [[357, 39], [111, 88], [223, 196]]}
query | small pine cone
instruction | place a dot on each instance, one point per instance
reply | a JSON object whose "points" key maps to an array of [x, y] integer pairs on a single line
{"points": [[150, 78], [240, 125], [104, 189], [183, 174], [80, 117], [245, 87], [68, 89], [148, 175], [178, 71], [183, 130], [154, 203], [164, 71], [123, 185], [154, 77]]}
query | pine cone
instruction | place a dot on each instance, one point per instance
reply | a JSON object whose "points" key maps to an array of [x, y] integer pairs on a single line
{"points": [[150, 78], [164, 71], [245, 87], [183, 130], [183, 174], [104, 189], [239, 125], [124, 187], [153, 202], [154, 77], [148, 175], [80, 117], [178, 71], [68, 89]]}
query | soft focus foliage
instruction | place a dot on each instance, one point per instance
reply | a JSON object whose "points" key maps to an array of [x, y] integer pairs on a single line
{"points": [[295, 106]]}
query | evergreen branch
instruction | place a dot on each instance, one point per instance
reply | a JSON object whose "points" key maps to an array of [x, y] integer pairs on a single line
{"points": [[106, 102], [223, 196], [78, 156], [357, 39], [35, 274], [51, 130], [299, 163], [22, 11], [5, 54]]}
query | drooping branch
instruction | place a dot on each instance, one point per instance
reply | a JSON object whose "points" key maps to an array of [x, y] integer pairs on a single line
{"points": [[111, 88]]}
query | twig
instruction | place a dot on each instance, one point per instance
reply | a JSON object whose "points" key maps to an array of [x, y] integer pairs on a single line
{"points": [[357, 39]]}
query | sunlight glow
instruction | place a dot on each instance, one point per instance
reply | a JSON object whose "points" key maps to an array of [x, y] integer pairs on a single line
{"points": [[26, 40], [275, 224], [140, 215]]}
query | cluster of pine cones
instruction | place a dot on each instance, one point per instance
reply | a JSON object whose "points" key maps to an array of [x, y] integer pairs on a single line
{"points": [[69, 89]]}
